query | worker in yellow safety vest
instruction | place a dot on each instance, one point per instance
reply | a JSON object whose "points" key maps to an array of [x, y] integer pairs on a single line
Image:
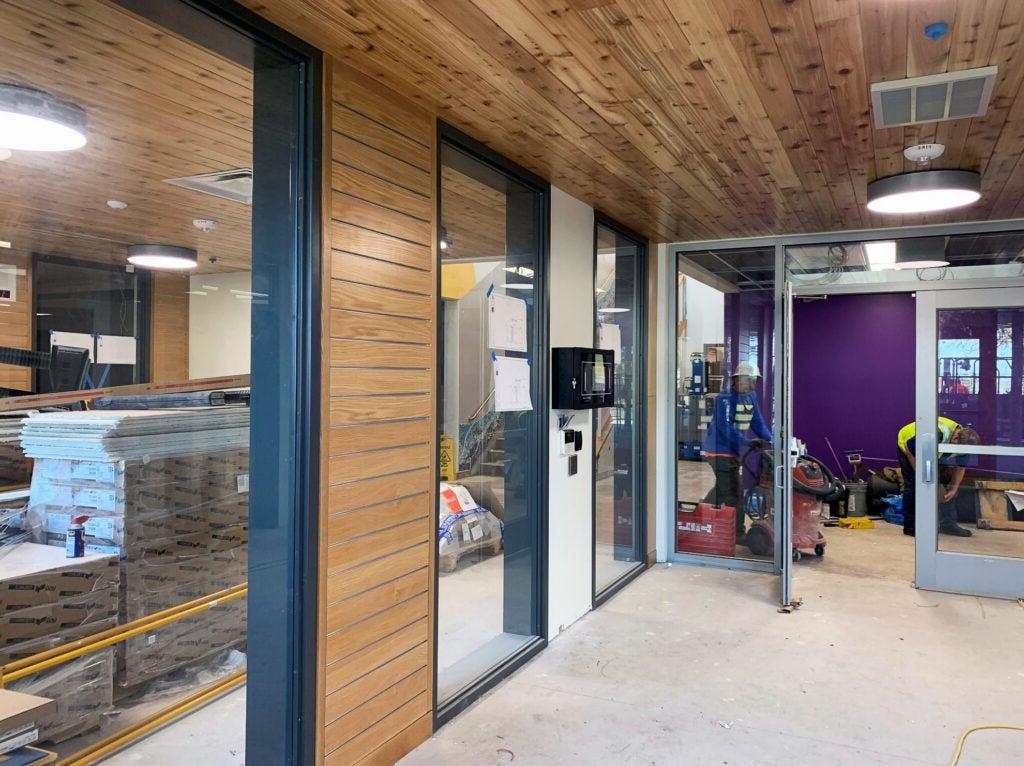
{"points": [[951, 473]]}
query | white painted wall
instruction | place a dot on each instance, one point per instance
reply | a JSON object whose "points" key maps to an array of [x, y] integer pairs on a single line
{"points": [[705, 319], [219, 324], [571, 533]]}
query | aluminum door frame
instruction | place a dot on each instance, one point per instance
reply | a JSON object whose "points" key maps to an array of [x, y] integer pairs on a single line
{"points": [[975, 574]]}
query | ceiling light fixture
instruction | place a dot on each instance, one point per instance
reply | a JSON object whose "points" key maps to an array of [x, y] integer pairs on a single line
{"points": [[35, 121], [116, 204], [5, 244], [921, 253], [613, 310], [517, 286], [169, 257], [924, 192]]}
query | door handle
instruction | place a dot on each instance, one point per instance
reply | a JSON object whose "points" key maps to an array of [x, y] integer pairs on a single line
{"points": [[928, 449], [780, 472]]}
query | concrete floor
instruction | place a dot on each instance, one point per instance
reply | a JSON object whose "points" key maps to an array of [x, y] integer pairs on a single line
{"points": [[695, 666], [213, 735]]}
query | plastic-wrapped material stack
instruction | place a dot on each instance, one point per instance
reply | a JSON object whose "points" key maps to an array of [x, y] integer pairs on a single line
{"points": [[47, 600], [167, 492], [464, 527]]}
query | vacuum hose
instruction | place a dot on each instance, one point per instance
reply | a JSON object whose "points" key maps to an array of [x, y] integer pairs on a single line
{"points": [[832, 489]]}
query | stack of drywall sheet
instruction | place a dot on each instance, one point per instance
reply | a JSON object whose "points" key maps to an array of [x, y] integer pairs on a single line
{"points": [[165, 490], [107, 435]]}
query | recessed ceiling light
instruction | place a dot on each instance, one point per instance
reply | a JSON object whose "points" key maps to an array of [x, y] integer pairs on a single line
{"points": [[169, 257], [612, 310], [924, 192], [40, 314], [35, 121], [116, 204], [5, 244]]}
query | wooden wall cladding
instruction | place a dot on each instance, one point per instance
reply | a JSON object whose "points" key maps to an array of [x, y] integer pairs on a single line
{"points": [[379, 516], [168, 349], [16, 320]]}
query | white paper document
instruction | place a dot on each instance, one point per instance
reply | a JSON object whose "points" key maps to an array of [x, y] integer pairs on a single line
{"points": [[75, 340], [511, 385], [115, 349], [506, 325], [609, 338]]}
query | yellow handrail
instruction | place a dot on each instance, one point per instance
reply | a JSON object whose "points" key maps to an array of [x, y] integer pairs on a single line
{"points": [[12, 671], [104, 747]]}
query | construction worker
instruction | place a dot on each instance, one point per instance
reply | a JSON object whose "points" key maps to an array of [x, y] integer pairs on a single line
{"points": [[951, 473], [736, 428]]}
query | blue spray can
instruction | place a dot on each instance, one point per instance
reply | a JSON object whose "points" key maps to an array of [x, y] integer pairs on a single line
{"points": [[75, 546]]}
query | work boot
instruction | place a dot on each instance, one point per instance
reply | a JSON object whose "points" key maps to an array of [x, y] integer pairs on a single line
{"points": [[956, 530]]}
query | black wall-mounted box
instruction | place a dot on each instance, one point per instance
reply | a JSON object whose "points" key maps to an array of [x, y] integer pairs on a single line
{"points": [[582, 378]]}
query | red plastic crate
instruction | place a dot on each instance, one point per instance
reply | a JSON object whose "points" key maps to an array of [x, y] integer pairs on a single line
{"points": [[706, 529]]}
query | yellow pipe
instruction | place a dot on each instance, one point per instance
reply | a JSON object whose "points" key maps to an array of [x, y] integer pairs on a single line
{"points": [[104, 747], [59, 655]]}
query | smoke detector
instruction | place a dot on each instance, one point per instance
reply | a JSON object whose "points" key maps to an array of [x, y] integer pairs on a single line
{"points": [[924, 152], [204, 225], [932, 98]]}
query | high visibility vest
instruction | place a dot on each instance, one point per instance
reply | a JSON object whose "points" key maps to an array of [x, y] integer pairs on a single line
{"points": [[946, 427]]}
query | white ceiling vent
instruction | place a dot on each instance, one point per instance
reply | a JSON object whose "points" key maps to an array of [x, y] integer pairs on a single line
{"points": [[948, 96], [235, 185]]}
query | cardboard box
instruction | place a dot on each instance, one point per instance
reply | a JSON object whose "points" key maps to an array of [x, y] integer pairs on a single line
{"points": [[42, 620], [83, 689], [34, 575], [31, 647]]}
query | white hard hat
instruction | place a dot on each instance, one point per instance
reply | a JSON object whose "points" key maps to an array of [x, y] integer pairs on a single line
{"points": [[747, 368]]}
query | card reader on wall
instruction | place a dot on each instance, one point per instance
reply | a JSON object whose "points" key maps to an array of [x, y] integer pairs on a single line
{"points": [[583, 378]]}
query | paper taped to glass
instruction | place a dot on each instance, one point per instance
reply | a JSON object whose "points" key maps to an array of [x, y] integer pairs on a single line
{"points": [[511, 384], [506, 326]]}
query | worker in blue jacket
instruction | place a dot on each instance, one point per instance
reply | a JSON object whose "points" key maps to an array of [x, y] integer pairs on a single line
{"points": [[737, 427]]}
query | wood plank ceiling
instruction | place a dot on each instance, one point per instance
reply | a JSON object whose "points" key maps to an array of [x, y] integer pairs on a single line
{"points": [[691, 119], [158, 106]]}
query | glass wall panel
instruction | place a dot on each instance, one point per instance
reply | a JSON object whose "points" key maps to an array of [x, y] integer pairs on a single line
{"points": [[139, 264], [489, 510], [618, 294], [981, 402], [725, 403]]}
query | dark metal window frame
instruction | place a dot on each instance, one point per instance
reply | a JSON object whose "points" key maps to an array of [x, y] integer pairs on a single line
{"points": [[640, 404], [282, 700], [448, 135]]}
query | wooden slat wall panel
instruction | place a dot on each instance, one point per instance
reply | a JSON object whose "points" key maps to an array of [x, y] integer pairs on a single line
{"points": [[168, 351], [16, 321], [379, 447]]}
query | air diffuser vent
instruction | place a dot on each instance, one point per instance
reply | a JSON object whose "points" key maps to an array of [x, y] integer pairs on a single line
{"points": [[949, 96], [235, 185]]}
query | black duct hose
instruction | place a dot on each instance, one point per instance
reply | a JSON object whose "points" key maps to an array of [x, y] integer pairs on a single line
{"points": [[832, 489]]}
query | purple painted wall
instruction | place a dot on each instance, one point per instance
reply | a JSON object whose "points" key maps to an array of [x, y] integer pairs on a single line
{"points": [[853, 374]]}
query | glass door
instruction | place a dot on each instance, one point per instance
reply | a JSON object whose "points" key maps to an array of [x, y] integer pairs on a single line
{"points": [[619, 283], [965, 452]]}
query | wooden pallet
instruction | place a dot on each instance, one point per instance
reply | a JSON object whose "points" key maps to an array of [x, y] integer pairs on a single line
{"points": [[992, 505]]}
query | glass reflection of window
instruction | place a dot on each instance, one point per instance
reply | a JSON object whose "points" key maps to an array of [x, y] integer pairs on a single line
{"points": [[959, 363]]}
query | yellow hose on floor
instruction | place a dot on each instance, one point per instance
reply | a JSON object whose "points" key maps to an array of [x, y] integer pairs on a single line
{"points": [[981, 727]]}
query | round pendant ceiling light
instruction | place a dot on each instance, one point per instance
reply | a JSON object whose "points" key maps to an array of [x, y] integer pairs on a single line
{"points": [[924, 192], [170, 257], [34, 121]]}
